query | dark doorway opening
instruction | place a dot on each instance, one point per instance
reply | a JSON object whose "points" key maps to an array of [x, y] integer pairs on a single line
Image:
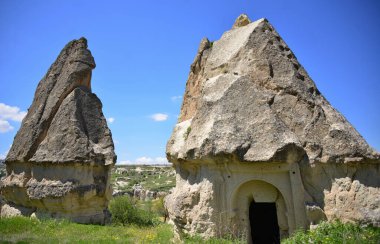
{"points": [[264, 224]]}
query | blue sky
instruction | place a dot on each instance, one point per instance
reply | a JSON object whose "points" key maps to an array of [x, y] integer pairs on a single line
{"points": [[143, 51]]}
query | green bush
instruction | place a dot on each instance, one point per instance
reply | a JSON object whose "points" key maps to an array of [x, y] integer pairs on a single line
{"points": [[159, 208], [336, 232], [125, 211]]}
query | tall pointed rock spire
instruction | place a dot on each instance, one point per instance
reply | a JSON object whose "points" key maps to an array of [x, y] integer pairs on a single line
{"points": [[60, 159]]}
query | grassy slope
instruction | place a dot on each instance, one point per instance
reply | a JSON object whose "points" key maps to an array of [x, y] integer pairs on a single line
{"points": [[25, 230]]}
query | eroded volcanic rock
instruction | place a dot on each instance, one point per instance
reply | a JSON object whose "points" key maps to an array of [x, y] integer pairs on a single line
{"points": [[251, 114], [248, 96], [59, 163]]}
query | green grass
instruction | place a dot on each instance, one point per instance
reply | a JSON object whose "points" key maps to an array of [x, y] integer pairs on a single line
{"points": [[26, 230], [336, 233], [198, 239]]}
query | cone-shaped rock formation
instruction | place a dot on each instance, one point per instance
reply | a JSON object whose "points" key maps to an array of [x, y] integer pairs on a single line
{"points": [[249, 97], [252, 116], [60, 160]]}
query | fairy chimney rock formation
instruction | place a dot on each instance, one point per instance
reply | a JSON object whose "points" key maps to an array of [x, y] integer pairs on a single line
{"points": [[254, 128], [59, 163]]}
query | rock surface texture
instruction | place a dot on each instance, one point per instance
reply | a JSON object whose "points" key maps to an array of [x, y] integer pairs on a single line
{"points": [[252, 115], [59, 163]]}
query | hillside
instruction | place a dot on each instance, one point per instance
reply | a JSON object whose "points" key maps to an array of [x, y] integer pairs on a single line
{"points": [[142, 181]]}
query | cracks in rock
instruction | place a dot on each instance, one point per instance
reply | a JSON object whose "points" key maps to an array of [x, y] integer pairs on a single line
{"points": [[300, 77], [221, 68], [241, 150], [318, 113], [271, 70], [271, 101], [293, 150], [91, 65], [80, 115], [291, 92], [353, 177], [312, 90], [196, 65], [327, 177], [45, 125]]}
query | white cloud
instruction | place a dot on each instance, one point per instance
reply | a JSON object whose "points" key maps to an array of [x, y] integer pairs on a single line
{"points": [[145, 160], [5, 126], [161, 160], [125, 162], [11, 113], [4, 155], [175, 98], [111, 120], [159, 117]]}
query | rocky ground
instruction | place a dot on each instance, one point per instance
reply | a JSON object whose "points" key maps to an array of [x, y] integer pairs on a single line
{"points": [[144, 182]]}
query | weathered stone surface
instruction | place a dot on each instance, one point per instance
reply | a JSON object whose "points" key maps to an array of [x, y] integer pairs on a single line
{"points": [[250, 98], [8, 210], [251, 113], [60, 160], [191, 207], [349, 192]]}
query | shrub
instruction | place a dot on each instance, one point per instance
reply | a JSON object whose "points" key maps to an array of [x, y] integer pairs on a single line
{"points": [[159, 208], [124, 211], [337, 232]]}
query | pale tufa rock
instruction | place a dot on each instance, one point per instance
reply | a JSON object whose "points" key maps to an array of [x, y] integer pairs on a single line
{"points": [[258, 121]]}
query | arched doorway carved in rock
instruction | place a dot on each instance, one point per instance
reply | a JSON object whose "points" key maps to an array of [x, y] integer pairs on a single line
{"points": [[261, 210]]}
